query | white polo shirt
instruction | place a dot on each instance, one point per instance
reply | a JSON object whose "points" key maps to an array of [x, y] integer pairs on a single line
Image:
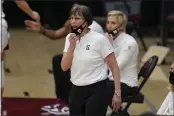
{"points": [[126, 50], [2, 15], [3, 29], [3, 33], [88, 65]]}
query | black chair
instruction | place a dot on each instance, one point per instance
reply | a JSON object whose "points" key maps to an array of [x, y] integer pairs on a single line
{"points": [[144, 73], [131, 8]]}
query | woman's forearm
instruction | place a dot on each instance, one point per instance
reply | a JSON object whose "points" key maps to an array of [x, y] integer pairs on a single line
{"points": [[116, 77], [67, 59], [23, 5], [113, 65], [54, 35]]}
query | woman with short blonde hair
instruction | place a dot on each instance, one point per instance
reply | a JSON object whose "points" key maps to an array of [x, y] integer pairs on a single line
{"points": [[126, 52], [121, 19]]}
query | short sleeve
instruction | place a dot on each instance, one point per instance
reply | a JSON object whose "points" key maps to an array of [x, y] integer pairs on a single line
{"points": [[4, 37], [130, 46], [67, 43], [96, 27], [128, 50], [106, 47]]}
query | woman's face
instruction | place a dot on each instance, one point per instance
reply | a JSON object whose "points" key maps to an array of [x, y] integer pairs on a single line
{"points": [[76, 21], [111, 23]]}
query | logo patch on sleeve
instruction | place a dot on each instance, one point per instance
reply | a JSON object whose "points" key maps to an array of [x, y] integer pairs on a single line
{"points": [[88, 47]]}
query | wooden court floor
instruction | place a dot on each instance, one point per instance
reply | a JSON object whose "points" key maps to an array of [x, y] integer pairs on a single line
{"points": [[30, 57]]}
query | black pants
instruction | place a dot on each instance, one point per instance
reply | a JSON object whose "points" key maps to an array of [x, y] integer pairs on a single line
{"points": [[62, 79], [63, 84], [90, 100], [125, 90]]}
